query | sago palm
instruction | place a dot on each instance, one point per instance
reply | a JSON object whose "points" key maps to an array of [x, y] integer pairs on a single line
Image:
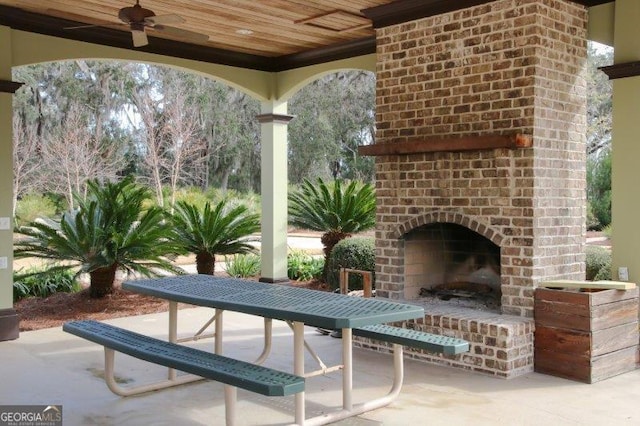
{"points": [[335, 210], [109, 230], [211, 231]]}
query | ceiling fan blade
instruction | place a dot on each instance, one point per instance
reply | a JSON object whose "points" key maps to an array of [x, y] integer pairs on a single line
{"points": [[78, 27], [179, 32], [165, 19], [80, 19], [139, 38]]}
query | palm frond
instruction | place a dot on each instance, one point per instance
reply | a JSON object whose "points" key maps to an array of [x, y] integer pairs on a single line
{"points": [[341, 209], [214, 229]]}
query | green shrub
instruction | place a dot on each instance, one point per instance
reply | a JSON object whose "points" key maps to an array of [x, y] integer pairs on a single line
{"points": [[604, 273], [248, 199], [302, 266], [353, 253], [33, 206], [607, 230], [42, 282], [197, 197], [243, 265], [602, 209], [192, 195], [593, 224], [598, 262]]}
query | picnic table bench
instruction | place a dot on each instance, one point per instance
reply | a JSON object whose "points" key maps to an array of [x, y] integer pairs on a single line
{"points": [[232, 372], [413, 338], [397, 335]]}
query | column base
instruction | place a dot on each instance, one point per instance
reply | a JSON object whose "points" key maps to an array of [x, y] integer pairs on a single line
{"points": [[274, 280], [9, 324]]}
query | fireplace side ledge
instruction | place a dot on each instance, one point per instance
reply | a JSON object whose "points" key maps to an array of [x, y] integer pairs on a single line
{"points": [[500, 345]]}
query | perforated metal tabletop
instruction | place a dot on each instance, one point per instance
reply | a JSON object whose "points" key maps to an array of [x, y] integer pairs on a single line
{"points": [[316, 308]]}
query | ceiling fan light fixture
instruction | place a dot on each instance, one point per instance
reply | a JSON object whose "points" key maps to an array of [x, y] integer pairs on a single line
{"points": [[136, 26], [139, 38]]}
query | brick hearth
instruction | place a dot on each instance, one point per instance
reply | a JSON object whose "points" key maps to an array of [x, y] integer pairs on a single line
{"points": [[501, 345]]}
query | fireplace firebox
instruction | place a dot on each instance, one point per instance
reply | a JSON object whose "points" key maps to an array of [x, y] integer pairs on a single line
{"points": [[450, 263]]}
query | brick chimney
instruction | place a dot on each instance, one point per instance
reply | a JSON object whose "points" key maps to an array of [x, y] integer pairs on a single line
{"points": [[481, 122]]}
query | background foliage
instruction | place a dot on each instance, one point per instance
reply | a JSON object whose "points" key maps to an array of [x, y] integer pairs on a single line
{"points": [[124, 122], [84, 119], [303, 266], [599, 189], [39, 282], [243, 265], [599, 119]]}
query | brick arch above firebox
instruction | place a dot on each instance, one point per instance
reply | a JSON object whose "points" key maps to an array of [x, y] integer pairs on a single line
{"points": [[444, 216]]}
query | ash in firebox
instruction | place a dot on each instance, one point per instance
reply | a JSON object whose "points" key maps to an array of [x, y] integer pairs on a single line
{"points": [[463, 294]]}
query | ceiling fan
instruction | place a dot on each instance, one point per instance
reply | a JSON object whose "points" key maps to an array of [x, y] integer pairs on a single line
{"points": [[139, 20]]}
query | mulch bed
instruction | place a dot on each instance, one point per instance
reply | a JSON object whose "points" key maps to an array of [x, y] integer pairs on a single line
{"points": [[37, 313]]}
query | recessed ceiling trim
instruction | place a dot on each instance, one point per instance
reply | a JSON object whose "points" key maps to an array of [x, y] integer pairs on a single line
{"points": [[361, 47], [401, 11], [316, 21], [341, 30], [590, 3]]}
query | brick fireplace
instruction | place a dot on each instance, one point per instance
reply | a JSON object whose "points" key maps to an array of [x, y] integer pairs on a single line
{"points": [[481, 125]]}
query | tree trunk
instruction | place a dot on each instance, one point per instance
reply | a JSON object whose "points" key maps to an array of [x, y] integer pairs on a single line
{"points": [[224, 180], [329, 240], [205, 263], [101, 281]]}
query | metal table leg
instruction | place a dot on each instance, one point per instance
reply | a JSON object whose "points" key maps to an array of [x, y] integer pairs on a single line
{"points": [[218, 332], [298, 368], [173, 331]]}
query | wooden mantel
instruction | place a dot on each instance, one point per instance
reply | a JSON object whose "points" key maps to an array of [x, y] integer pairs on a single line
{"points": [[465, 143]]}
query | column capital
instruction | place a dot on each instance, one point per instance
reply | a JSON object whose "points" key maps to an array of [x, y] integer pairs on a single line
{"points": [[7, 86], [275, 118]]}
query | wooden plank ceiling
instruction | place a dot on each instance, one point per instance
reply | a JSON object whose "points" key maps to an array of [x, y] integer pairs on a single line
{"points": [[260, 34], [278, 27]]}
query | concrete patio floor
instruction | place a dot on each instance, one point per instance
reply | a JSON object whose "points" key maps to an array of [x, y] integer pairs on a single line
{"points": [[52, 367]]}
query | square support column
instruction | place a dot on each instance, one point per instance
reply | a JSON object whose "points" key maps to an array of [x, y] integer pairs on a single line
{"points": [[274, 179], [8, 317]]}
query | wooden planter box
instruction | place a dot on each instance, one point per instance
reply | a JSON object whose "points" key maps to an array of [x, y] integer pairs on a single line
{"points": [[586, 336]]}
